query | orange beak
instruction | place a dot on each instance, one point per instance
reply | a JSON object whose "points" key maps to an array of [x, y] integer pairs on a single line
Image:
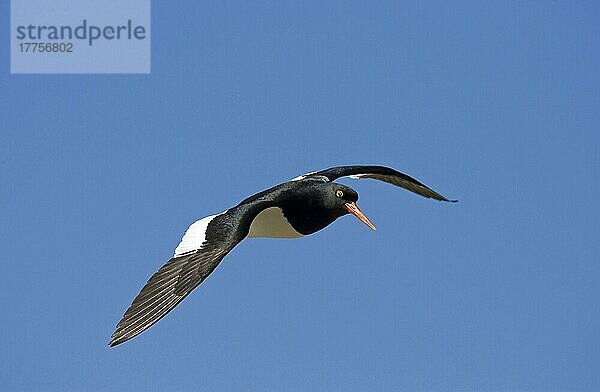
{"points": [[353, 209]]}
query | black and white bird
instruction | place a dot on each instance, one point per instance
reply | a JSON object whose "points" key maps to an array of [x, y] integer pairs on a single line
{"points": [[299, 207]]}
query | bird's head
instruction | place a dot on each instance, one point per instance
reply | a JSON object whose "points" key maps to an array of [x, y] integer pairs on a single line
{"points": [[343, 200]]}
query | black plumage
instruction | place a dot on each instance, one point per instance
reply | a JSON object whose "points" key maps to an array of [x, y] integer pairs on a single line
{"points": [[295, 208]]}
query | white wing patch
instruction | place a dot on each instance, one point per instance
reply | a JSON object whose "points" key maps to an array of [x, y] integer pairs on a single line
{"points": [[271, 223], [194, 236], [302, 176]]}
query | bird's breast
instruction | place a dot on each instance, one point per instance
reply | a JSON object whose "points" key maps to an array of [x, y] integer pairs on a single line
{"points": [[271, 223]]}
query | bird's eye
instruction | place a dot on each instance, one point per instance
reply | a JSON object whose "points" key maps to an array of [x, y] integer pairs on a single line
{"points": [[339, 193]]}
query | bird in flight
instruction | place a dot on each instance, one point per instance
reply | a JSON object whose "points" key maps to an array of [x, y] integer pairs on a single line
{"points": [[299, 207]]}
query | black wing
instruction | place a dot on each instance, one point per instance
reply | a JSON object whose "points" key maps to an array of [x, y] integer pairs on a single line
{"points": [[381, 173], [175, 280]]}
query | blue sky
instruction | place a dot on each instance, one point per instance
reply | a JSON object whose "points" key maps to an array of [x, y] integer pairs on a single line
{"points": [[496, 105]]}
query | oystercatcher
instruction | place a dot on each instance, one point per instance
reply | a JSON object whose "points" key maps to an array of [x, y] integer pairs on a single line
{"points": [[301, 206]]}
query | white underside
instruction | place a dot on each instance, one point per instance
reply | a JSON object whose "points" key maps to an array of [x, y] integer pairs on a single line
{"points": [[194, 236], [271, 223]]}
